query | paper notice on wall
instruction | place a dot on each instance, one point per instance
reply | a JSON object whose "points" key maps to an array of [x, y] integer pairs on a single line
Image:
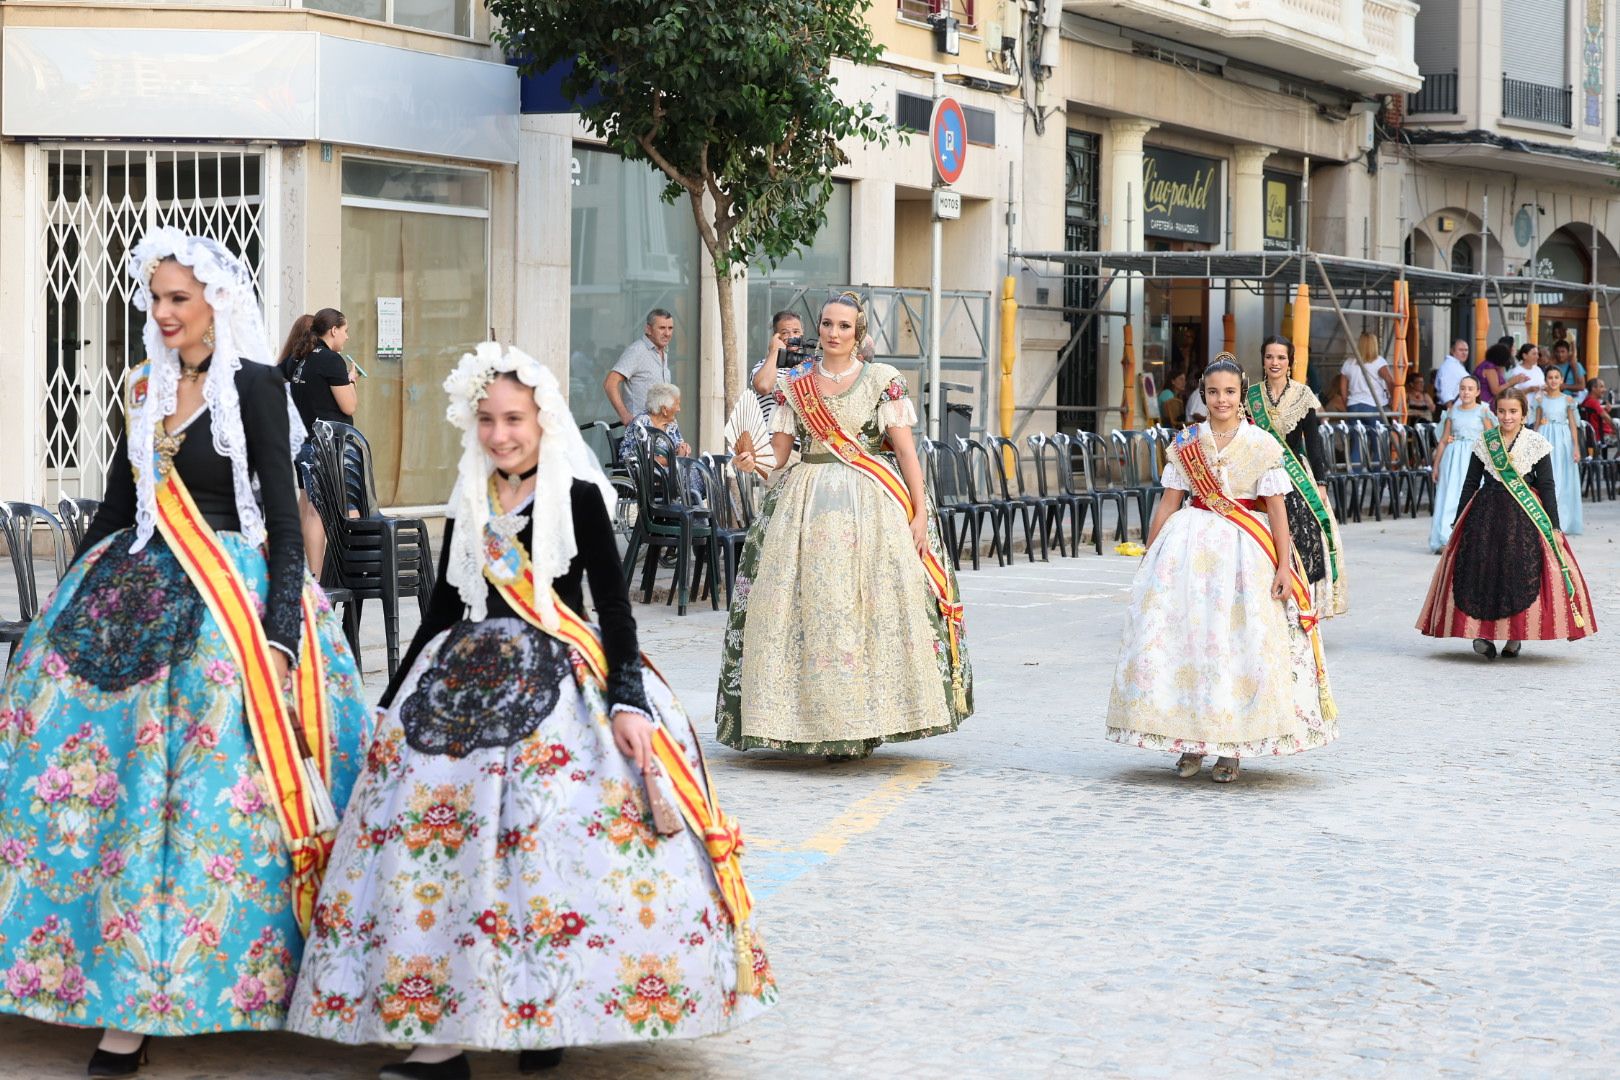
{"points": [[390, 327]]}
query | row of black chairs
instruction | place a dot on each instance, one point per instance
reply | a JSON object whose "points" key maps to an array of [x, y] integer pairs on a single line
{"points": [[21, 526], [698, 510], [693, 511], [369, 555]]}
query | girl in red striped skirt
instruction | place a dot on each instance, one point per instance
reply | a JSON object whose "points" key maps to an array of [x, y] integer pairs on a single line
{"points": [[1508, 573]]}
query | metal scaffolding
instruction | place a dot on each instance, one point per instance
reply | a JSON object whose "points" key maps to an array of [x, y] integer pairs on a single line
{"points": [[1352, 287]]}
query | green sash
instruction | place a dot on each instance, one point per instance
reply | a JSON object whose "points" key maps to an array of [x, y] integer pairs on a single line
{"points": [[1260, 411], [1532, 507]]}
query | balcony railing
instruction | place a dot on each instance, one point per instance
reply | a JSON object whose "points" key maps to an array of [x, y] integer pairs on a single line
{"points": [[1532, 101], [1439, 94]]}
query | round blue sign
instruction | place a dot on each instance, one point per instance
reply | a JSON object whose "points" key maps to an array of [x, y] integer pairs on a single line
{"points": [[947, 136]]}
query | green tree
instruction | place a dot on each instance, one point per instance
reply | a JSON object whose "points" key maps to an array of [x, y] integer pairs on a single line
{"points": [[733, 100]]}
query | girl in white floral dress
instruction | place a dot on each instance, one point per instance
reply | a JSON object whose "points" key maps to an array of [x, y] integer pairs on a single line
{"points": [[1220, 654], [533, 858]]}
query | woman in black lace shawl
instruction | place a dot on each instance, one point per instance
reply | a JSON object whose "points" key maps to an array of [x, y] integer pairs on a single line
{"points": [[1289, 409]]}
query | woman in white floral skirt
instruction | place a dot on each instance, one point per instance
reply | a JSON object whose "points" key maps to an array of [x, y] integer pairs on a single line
{"points": [[1221, 654], [533, 858]]}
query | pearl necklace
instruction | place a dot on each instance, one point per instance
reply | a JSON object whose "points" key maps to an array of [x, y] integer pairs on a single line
{"points": [[821, 366]]}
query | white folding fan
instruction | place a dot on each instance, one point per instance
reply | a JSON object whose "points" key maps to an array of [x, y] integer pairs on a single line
{"points": [[746, 431]]}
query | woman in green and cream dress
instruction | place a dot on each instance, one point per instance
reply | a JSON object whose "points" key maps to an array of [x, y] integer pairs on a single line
{"points": [[845, 629]]}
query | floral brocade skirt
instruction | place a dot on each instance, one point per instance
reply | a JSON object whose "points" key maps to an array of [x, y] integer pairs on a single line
{"points": [[1210, 663], [144, 879], [498, 882], [834, 644]]}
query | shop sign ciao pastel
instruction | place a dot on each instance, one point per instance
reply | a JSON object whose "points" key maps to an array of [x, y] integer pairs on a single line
{"points": [[1181, 195]]}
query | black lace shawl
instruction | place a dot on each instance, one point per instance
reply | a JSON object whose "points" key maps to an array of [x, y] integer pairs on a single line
{"points": [[596, 562]]}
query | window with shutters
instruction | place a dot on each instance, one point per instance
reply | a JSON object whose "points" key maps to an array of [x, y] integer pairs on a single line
{"points": [[1535, 61]]}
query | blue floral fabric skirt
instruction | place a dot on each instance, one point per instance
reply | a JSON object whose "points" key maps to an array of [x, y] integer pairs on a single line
{"points": [[144, 880]]}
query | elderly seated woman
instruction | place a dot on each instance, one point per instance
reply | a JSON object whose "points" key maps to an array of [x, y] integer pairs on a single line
{"points": [[663, 408], [1419, 402]]}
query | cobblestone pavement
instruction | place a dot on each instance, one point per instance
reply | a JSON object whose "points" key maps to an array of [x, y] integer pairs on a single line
{"points": [[1434, 895]]}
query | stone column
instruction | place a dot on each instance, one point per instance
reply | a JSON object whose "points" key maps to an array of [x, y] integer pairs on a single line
{"points": [[871, 232], [22, 298], [1124, 233], [540, 264], [1249, 234]]}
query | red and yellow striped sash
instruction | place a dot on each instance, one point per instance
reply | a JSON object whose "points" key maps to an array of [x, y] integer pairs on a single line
{"points": [[293, 751], [824, 426], [1209, 495], [721, 836]]}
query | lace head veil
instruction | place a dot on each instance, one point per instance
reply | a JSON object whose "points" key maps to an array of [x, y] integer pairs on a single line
{"points": [[239, 338], [564, 457]]}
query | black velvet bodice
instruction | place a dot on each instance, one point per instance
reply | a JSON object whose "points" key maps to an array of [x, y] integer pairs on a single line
{"points": [[207, 475], [597, 562]]}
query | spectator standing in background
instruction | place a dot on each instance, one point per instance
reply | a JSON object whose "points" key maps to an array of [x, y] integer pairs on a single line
{"points": [[642, 365], [1563, 359], [1451, 373], [1492, 373], [784, 326], [322, 384], [1527, 375]]}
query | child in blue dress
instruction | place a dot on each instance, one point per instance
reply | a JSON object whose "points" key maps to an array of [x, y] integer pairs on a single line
{"points": [[1558, 423], [1465, 422]]}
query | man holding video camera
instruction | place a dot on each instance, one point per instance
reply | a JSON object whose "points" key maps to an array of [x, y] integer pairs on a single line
{"points": [[787, 350]]}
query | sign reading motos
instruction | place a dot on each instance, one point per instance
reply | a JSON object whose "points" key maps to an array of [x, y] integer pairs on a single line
{"points": [[1181, 195]]}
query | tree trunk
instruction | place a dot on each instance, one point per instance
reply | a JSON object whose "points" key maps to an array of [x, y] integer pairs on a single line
{"points": [[715, 237], [725, 288]]}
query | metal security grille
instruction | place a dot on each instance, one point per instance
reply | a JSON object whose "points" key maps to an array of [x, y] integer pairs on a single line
{"points": [[1077, 378], [99, 201]]}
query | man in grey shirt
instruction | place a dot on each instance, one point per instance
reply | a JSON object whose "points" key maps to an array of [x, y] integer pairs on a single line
{"points": [[642, 365]]}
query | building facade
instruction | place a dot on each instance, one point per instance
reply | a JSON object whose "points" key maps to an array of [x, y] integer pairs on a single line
{"points": [[362, 158], [1504, 160]]}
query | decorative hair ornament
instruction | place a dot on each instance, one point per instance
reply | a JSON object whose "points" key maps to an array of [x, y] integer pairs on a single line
{"points": [[238, 337], [1225, 362], [564, 458], [852, 299]]}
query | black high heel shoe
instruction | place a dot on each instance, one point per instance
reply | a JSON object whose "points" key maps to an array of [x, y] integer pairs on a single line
{"points": [[456, 1068], [533, 1061], [107, 1063]]}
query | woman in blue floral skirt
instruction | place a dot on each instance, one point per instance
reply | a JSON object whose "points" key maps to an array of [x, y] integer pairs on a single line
{"points": [[154, 862]]}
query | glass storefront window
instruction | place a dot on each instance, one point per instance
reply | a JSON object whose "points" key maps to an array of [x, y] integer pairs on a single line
{"points": [[632, 252], [435, 260], [443, 16], [820, 267]]}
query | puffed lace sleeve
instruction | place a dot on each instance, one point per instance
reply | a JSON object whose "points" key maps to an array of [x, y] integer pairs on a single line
{"points": [[1174, 477], [894, 406], [784, 421], [1272, 482]]}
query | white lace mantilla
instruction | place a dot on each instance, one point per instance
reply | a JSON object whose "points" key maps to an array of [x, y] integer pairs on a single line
{"points": [[238, 336], [564, 457], [1296, 400], [1530, 447]]}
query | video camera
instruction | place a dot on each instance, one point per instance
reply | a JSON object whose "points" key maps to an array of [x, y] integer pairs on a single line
{"points": [[795, 351]]}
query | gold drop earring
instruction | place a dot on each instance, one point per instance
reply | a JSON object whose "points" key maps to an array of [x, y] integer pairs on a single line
{"points": [[208, 336]]}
